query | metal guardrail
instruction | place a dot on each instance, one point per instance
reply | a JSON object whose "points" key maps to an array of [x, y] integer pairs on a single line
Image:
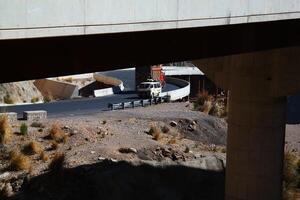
{"points": [[139, 103]]}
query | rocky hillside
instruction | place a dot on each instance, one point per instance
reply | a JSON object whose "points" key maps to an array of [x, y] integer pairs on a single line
{"points": [[19, 92]]}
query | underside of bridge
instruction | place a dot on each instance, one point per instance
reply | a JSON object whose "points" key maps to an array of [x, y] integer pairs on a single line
{"points": [[25, 59], [258, 63]]}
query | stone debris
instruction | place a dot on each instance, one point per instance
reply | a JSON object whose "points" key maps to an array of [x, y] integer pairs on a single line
{"points": [[173, 123], [4, 176], [101, 158], [127, 150]]}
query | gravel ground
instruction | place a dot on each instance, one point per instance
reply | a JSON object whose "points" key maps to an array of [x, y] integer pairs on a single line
{"points": [[190, 140], [111, 155]]}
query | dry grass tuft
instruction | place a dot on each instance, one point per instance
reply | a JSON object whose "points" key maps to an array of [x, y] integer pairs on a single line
{"points": [[57, 134], [5, 130], [32, 148], [54, 145], [8, 99], [291, 175], [48, 97], [68, 79], [155, 132], [172, 141], [19, 161], [44, 157], [35, 99], [165, 129], [57, 163]]}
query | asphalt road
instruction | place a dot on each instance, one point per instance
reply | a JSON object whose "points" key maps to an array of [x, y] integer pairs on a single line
{"points": [[78, 106]]}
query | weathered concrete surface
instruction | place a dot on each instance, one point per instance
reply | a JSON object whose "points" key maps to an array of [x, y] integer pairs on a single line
{"points": [[277, 71], [259, 83], [29, 18], [36, 115], [56, 89]]}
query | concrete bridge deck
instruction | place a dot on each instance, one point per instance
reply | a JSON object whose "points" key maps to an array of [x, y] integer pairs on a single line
{"points": [[30, 18]]}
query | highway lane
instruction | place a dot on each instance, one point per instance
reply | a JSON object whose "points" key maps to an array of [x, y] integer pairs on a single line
{"points": [[78, 106]]}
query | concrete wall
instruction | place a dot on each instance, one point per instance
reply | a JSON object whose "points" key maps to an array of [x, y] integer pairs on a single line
{"points": [[117, 85], [31, 18], [178, 94], [56, 89]]}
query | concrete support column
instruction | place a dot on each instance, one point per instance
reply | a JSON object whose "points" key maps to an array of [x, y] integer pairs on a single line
{"points": [[255, 143], [258, 83], [142, 73]]}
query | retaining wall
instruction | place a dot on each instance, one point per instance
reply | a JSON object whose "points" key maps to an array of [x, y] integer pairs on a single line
{"points": [[57, 89]]}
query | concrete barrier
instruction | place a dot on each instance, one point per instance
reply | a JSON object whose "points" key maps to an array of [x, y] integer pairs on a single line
{"points": [[12, 116], [178, 94], [117, 85], [57, 89], [36, 115]]}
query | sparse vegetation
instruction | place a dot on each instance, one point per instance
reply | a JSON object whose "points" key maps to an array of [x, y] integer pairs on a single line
{"points": [[172, 141], [8, 99], [44, 156], [19, 161], [68, 79], [57, 163], [33, 147], [35, 99], [5, 130], [203, 102], [223, 149], [57, 134], [155, 132], [24, 129], [209, 105], [165, 129], [48, 97], [218, 109], [291, 175], [54, 145]]}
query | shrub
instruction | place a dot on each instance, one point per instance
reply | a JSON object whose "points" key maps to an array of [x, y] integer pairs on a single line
{"points": [[57, 134], [203, 102], [48, 97], [155, 132], [24, 129], [54, 145], [172, 141], [218, 109], [165, 129], [290, 175], [8, 99], [5, 130], [35, 99], [19, 161], [68, 79], [57, 163], [44, 156], [33, 147]]}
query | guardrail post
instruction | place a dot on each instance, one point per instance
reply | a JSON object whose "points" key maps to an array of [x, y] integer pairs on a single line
{"points": [[123, 105], [132, 104], [142, 102]]}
